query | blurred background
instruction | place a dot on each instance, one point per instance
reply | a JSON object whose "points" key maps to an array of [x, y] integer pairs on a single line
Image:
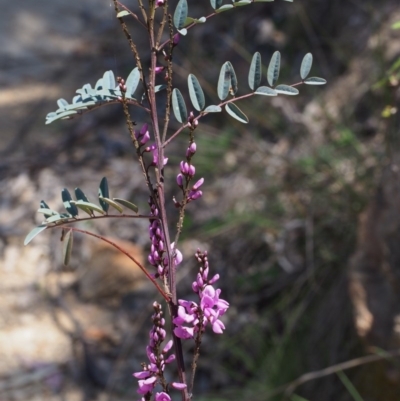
{"points": [[300, 212]]}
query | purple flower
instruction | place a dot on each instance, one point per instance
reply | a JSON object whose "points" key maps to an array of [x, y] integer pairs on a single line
{"points": [[154, 150], [152, 372], [179, 386], [162, 397], [191, 317]]}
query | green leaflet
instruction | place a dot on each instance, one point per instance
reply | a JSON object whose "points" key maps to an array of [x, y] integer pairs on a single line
{"points": [[315, 81], [112, 203], [196, 93], [286, 90], [37, 230], [68, 241], [255, 71], [306, 65], [179, 106], [224, 81], [273, 69], [236, 113], [70, 207], [127, 204], [132, 82], [180, 14], [266, 91], [122, 14], [104, 193]]}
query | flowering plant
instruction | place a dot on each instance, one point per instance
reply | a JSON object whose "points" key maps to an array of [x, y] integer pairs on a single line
{"points": [[189, 319]]}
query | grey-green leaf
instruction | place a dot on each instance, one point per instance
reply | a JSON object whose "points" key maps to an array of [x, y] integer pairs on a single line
{"points": [[234, 84], [223, 8], [104, 193], [315, 81], [159, 88], [216, 3], [88, 205], [273, 68], [66, 198], [62, 104], [180, 14], [242, 3], [196, 93], [127, 204], [108, 80], [57, 218], [43, 205], [112, 203], [286, 90], [79, 194], [178, 106], [224, 81], [37, 230], [255, 71], [236, 113], [132, 82], [68, 241], [266, 91], [212, 109], [122, 14], [47, 211], [306, 65]]}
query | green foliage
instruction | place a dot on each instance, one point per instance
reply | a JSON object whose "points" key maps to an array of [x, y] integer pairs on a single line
{"points": [[273, 68], [255, 71], [196, 93], [104, 193], [236, 113], [179, 106]]}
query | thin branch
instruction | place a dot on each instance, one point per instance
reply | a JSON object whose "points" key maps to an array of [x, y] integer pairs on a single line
{"points": [[202, 114], [142, 268], [132, 13], [289, 388]]}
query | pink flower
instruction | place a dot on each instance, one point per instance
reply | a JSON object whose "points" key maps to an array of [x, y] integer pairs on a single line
{"points": [[162, 397]]}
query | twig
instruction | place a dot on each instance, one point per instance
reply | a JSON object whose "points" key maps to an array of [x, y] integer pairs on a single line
{"points": [[289, 388]]}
